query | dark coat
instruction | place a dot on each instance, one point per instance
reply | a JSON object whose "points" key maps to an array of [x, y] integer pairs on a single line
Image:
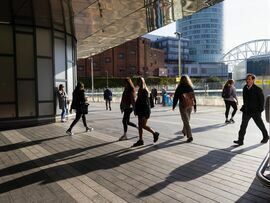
{"points": [[108, 95], [142, 105], [181, 89], [154, 92], [253, 99], [78, 100], [62, 99], [128, 99]]}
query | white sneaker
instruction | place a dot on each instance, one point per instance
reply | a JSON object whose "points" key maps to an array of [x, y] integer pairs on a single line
{"points": [[63, 120], [69, 133], [123, 137], [89, 129]]}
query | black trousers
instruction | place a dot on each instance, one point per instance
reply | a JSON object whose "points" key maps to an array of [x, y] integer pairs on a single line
{"points": [[155, 98], [108, 103], [257, 119], [229, 104], [126, 119], [77, 118]]}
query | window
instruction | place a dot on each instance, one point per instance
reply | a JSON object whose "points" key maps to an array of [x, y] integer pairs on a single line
{"points": [[194, 70], [80, 68], [203, 70], [121, 56], [107, 60], [96, 66]]}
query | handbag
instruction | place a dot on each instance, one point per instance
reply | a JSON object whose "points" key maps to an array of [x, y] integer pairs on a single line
{"points": [[188, 100], [84, 108]]}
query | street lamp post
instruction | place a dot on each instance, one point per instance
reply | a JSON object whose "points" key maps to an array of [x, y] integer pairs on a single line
{"points": [[92, 75], [107, 78], [178, 34]]}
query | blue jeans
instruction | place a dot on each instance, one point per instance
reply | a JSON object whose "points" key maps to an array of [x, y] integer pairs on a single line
{"points": [[63, 114]]}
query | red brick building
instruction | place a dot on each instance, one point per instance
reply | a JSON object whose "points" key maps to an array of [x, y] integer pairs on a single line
{"points": [[135, 57]]}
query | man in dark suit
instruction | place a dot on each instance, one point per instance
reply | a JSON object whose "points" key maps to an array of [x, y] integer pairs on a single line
{"points": [[253, 106], [108, 98]]}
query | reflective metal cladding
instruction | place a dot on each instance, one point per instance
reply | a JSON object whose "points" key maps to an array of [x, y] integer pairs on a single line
{"points": [[102, 24]]}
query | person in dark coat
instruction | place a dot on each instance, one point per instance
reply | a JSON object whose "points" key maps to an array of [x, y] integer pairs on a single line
{"points": [[184, 86], [127, 105], [143, 111], [154, 94], [108, 98], [78, 101], [253, 107]]}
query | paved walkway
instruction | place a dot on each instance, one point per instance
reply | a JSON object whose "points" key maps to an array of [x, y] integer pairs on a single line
{"points": [[42, 164]]}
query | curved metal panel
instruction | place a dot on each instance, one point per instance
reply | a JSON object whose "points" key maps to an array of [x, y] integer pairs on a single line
{"points": [[102, 24]]}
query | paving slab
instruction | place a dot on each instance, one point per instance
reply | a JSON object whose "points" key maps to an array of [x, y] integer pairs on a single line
{"points": [[43, 164]]}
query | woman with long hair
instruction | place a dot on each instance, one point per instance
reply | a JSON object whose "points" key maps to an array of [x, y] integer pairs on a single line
{"points": [[185, 87], [230, 100], [127, 105], [143, 111], [78, 101], [62, 99]]}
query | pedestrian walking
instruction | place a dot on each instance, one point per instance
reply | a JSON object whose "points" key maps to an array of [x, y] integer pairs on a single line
{"points": [[108, 98], [79, 104], [62, 100], [143, 111], [184, 93], [163, 95], [127, 105], [230, 100], [253, 106], [154, 94]]}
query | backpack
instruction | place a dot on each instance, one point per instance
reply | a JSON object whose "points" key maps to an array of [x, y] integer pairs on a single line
{"points": [[151, 100], [226, 92], [188, 100]]}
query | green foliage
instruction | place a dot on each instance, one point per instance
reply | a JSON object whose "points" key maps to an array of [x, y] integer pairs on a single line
{"points": [[101, 82]]}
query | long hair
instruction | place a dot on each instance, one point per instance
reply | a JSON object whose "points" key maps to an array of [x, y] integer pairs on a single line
{"points": [[79, 86], [141, 83], [130, 85], [61, 86], [185, 80], [229, 82]]}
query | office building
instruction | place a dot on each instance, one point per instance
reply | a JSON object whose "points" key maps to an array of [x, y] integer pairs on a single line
{"points": [[204, 29], [132, 58], [170, 47]]}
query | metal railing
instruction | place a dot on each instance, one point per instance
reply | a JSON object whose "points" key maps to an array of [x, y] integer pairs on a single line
{"points": [[265, 165]]}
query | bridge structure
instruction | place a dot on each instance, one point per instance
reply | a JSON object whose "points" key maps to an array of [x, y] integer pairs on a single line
{"points": [[237, 57]]}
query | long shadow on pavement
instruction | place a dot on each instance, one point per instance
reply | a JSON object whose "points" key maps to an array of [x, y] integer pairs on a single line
{"points": [[20, 145], [256, 193], [54, 158], [197, 168], [65, 171], [204, 128]]}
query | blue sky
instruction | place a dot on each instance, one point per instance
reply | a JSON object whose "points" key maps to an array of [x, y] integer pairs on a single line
{"points": [[244, 20]]}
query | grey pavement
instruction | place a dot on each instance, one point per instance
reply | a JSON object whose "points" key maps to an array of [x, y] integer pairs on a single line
{"points": [[43, 164]]}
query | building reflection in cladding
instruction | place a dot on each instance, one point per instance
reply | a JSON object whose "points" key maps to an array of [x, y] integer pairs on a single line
{"points": [[205, 31], [37, 53], [101, 25]]}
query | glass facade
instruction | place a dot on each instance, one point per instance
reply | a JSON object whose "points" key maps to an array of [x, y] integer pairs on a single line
{"points": [[37, 52], [205, 31], [259, 65], [170, 47]]}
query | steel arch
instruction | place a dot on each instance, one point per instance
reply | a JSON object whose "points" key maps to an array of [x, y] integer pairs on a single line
{"points": [[246, 50]]}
